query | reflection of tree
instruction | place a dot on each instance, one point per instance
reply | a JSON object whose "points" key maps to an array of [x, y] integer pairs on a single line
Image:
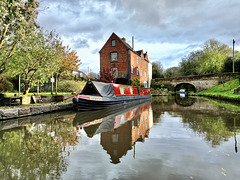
{"points": [[37, 154], [157, 106], [213, 129]]}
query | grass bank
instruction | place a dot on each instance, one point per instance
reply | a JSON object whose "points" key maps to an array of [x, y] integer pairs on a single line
{"points": [[222, 91], [9, 94]]}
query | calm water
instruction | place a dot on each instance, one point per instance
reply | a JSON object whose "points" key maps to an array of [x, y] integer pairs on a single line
{"points": [[168, 138]]}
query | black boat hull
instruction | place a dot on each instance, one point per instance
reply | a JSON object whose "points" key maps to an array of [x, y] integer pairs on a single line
{"points": [[89, 104]]}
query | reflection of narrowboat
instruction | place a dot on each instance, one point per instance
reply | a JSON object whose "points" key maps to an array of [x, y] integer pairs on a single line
{"points": [[99, 95], [106, 120]]}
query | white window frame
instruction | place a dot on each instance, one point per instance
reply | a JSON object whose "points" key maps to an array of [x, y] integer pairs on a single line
{"points": [[137, 71], [112, 59], [132, 69], [137, 60]]}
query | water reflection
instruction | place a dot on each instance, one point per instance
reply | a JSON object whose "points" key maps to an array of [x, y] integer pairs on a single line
{"points": [[212, 121], [186, 136], [36, 147], [119, 130]]}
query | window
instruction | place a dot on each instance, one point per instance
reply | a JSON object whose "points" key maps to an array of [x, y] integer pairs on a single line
{"points": [[115, 72], [122, 90], [137, 71], [131, 91], [115, 138], [137, 60], [113, 56], [145, 64], [132, 69], [113, 42], [132, 123], [145, 74], [141, 72]]}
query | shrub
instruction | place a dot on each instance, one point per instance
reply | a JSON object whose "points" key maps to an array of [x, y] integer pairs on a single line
{"points": [[156, 85], [71, 86], [5, 84], [135, 82]]}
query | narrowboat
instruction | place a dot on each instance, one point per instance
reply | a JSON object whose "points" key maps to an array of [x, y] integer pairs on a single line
{"points": [[98, 95]]}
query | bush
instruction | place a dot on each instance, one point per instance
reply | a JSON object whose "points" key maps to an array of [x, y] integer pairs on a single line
{"points": [[135, 82], [5, 84], [71, 86], [156, 85]]}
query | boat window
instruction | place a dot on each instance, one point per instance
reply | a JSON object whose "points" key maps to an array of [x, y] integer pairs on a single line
{"points": [[131, 90], [122, 90]]}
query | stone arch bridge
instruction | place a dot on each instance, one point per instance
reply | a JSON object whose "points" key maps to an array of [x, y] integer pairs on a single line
{"points": [[199, 82]]}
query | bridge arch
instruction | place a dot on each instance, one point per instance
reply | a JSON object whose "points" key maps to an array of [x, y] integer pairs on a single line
{"points": [[184, 85]]}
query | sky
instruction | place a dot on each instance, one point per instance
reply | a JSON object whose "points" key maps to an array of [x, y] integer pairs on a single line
{"points": [[167, 30]]}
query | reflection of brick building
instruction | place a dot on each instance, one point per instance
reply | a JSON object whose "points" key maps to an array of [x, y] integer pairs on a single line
{"points": [[120, 140], [118, 55]]}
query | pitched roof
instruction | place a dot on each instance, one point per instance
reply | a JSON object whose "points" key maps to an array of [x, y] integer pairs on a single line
{"points": [[123, 40], [139, 52]]}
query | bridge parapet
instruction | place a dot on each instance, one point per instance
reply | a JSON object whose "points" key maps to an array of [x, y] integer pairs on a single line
{"points": [[200, 82]]}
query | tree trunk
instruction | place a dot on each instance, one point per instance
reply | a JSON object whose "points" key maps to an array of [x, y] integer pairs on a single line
{"points": [[26, 88]]}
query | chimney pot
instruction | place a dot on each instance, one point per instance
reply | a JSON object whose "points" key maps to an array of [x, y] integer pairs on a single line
{"points": [[133, 42]]}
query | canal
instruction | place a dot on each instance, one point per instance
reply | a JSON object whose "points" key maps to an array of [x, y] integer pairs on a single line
{"points": [[170, 138]]}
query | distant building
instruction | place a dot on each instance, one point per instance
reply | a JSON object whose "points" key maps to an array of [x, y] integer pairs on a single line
{"points": [[79, 74], [118, 55]]}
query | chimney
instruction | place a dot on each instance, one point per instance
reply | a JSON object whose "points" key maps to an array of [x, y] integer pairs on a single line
{"points": [[133, 42], [124, 39]]}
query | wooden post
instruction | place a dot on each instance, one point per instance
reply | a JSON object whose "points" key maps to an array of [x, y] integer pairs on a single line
{"points": [[233, 56], [56, 85], [19, 85], [38, 87]]}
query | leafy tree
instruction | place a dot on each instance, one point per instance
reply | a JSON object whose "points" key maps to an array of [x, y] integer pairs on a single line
{"points": [[157, 70], [68, 60], [107, 75], [172, 72], [210, 59], [190, 64], [213, 56], [228, 65], [17, 20], [35, 60]]}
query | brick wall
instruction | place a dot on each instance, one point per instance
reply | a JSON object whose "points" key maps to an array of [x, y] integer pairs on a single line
{"points": [[121, 49], [127, 58]]}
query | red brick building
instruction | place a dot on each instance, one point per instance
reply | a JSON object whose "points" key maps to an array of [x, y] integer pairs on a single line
{"points": [[118, 55]]}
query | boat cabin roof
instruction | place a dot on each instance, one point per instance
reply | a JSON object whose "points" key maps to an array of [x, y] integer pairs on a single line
{"points": [[98, 89]]}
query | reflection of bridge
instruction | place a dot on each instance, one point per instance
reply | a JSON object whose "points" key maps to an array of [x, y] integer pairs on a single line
{"points": [[199, 82]]}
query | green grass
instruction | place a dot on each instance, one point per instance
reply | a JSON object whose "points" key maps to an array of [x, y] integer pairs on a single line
{"points": [[225, 90], [9, 94]]}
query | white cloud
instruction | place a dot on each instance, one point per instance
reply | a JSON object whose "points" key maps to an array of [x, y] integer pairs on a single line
{"points": [[164, 28]]}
